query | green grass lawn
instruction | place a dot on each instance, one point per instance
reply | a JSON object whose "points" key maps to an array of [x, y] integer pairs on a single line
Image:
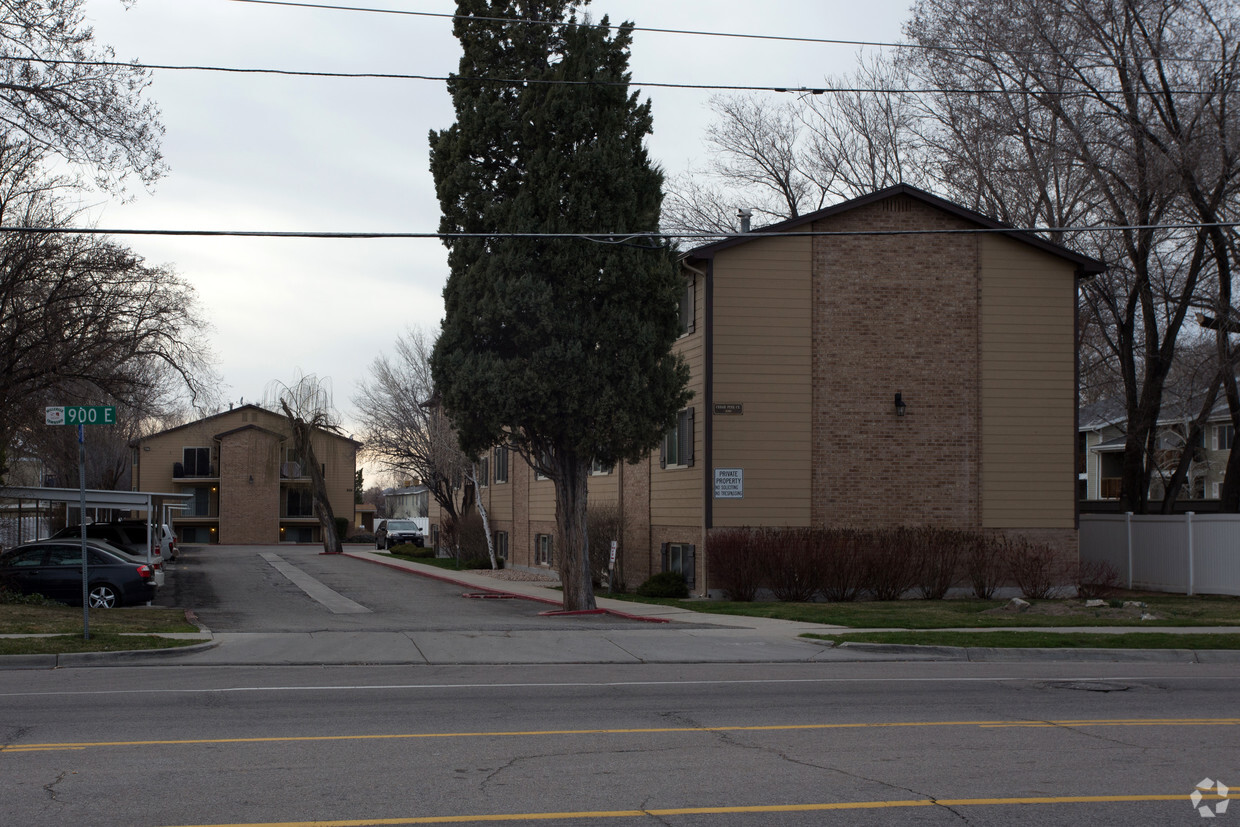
{"points": [[106, 628], [437, 562], [1046, 640], [947, 614]]}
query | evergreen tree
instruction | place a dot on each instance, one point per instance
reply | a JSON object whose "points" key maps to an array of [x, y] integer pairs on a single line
{"points": [[559, 348]]}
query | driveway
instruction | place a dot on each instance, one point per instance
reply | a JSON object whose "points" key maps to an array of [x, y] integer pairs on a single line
{"points": [[288, 588]]}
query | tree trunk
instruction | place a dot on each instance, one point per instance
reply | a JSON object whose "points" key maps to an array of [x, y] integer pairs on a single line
{"points": [[302, 433], [573, 544], [486, 521]]}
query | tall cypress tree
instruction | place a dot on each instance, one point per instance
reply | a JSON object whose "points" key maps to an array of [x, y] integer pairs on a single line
{"points": [[558, 348]]}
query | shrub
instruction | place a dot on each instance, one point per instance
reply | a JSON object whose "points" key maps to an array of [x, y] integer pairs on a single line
{"points": [[1035, 568], [842, 566], [665, 584], [410, 550], [792, 561], [479, 563], [604, 523], [734, 563], [890, 567], [472, 539], [937, 553], [983, 565], [361, 537], [1096, 579], [342, 528]]}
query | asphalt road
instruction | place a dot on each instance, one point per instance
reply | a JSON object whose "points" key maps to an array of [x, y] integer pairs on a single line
{"points": [[791, 744]]}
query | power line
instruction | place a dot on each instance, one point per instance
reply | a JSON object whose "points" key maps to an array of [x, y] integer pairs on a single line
{"points": [[969, 49], [712, 87], [604, 237]]}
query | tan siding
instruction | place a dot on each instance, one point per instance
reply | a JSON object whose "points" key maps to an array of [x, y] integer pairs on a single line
{"points": [[676, 493], [763, 305], [1027, 387]]}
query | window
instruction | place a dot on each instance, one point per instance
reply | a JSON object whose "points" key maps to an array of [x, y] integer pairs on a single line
{"points": [[501, 545], [544, 461], [484, 472], [686, 307], [200, 505], [1223, 436], [300, 503], [679, 557], [501, 464], [598, 468], [542, 549], [677, 449], [196, 462]]}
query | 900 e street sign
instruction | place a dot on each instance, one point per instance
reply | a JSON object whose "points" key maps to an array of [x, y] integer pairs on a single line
{"points": [[81, 415]]}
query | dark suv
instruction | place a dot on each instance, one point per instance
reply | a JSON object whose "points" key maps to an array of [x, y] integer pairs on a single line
{"points": [[394, 532]]}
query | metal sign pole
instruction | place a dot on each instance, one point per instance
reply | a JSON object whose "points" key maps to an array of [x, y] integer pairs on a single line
{"points": [[82, 524]]}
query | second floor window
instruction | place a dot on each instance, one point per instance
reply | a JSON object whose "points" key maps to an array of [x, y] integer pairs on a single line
{"points": [[1223, 436], [677, 449], [501, 464], [300, 503]]}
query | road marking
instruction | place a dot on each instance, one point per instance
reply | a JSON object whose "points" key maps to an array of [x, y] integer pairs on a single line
{"points": [[739, 810], [333, 601], [1117, 722], [597, 685]]}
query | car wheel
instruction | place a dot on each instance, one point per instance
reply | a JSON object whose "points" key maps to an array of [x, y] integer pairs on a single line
{"points": [[417, 541], [103, 596]]}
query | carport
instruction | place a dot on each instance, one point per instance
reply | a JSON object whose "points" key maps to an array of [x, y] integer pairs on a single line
{"points": [[147, 501]]}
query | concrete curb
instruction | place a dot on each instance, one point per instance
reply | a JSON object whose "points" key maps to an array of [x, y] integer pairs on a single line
{"points": [[995, 654], [117, 658]]}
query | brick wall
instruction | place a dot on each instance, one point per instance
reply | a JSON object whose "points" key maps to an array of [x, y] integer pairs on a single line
{"points": [[249, 511], [896, 313]]}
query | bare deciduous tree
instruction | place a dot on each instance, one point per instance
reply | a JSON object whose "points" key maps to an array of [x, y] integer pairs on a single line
{"points": [[307, 404], [406, 433]]}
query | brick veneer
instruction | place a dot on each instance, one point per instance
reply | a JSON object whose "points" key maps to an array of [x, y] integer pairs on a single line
{"points": [[896, 314]]}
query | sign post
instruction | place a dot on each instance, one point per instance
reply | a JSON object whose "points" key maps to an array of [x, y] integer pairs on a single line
{"points": [[81, 416], [611, 567]]}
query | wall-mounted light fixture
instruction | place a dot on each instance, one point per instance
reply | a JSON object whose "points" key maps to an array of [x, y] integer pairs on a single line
{"points": [[900, 406], [251, 478]]}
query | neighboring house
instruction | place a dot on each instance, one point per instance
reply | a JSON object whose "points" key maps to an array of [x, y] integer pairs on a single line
{"points": [[1102, 431], [849, 379], [248, 482]]}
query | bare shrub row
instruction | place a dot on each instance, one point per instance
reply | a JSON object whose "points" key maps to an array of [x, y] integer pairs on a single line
{"points": [[839, 564]]}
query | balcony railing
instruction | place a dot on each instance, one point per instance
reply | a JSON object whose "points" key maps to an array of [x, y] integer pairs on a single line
{"points": [[179, 472]]}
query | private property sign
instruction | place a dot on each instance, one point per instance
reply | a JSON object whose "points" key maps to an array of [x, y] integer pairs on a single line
{"points": [[729, 483]]}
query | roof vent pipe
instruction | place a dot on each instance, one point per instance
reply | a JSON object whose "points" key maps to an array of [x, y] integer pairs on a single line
{"points": [[744, 215]]}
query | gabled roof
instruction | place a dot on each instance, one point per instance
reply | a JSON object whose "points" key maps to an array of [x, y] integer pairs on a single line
{"points": [[1085, 266], [250, 407], [250, 426]]}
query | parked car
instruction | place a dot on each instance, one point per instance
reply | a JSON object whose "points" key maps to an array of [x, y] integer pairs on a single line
{"points": [[128, 535], [394, 532], [53, 568]]}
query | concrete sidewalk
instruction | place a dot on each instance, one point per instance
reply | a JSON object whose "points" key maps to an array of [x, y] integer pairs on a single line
{"points": [[667, 635]]}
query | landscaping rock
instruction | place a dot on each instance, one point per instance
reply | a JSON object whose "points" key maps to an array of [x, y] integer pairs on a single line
{"points": [[1018, 605], [1095, 604]]}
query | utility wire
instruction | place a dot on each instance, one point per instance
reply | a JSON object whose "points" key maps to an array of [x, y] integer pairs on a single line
{"points": [[962, 49], [605, 237], [713, 87]]}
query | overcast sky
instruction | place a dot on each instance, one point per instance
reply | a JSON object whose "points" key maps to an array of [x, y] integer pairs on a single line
{"points": [[266, 152]]}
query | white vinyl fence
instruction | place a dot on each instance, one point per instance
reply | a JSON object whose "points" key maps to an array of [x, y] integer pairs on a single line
{"points": [[1181, 553]]}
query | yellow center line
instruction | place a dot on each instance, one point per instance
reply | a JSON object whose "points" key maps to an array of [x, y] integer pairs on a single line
{"points": [[1117, 722], [755, 809]]}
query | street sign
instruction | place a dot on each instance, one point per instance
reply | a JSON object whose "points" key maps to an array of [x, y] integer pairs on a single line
{"points": [[81, 415]]}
